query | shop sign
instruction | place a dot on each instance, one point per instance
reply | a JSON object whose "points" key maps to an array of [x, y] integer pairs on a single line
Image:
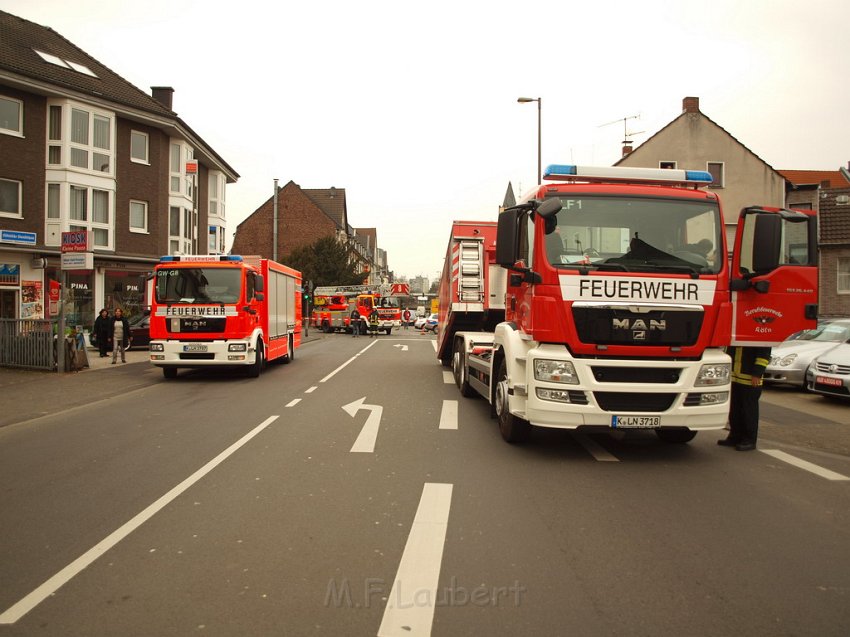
{"points": [[15, 236], [77, 261], [76, 241]]}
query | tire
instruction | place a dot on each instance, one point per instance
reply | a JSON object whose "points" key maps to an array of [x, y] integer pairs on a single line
{"points": [[290, 350], [460, 372], [169, 372], [513, 429], [678, 435], [255, 369], [388, 331]]}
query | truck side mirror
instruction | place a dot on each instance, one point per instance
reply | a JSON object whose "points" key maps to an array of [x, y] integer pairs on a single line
{"points": [[507, 237], [767, 242]]}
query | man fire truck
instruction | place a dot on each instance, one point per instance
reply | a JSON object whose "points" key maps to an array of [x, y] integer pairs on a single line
{"points": [[211, 310], [604, 301], [384, 299]]}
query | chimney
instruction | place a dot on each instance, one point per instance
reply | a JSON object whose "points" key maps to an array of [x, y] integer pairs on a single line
{"points": [[163, 95], [627, 148], [690, 105]]}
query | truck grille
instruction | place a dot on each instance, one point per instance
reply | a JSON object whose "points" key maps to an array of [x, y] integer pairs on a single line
{"points": [[620, 326], [636, 375], [629, 402], [198, 325]]}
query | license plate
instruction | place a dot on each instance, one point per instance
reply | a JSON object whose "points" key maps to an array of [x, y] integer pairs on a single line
{"points": [[195, 347], [635, 422], [825, 380]]}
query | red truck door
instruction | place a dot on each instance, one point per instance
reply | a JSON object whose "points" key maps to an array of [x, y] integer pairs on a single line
{"points": [[774, 278]]}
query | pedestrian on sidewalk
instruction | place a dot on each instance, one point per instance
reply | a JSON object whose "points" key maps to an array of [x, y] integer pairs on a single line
{"points": [[100, 332], [748, 364], [119, 335]]}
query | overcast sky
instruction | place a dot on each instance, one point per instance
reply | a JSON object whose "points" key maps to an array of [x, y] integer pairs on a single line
{"points": [[412, 107]]}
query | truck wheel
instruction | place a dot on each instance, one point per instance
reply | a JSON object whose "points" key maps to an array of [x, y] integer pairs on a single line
{"points": [[513, 429], [679, 435], [169, 372], [257, 367], [461, 372], [290, 350]]}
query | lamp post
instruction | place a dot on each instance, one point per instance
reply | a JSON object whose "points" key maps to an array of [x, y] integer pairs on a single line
{"points": [[539, 100]]}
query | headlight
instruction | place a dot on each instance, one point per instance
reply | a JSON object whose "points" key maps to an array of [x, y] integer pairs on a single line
{"points": [[237, 347], [555, 371], [785, 361], [157, 347], [716, 374]]}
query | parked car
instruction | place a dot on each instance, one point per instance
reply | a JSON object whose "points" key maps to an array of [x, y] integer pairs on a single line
{"points": [[431, 323], [419, 323], [140, 333], [790, 359], [829, 373]]}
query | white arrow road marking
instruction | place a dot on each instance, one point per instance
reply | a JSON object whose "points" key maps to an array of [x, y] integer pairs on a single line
{"points": [[404, 348], [365, 442], [410, 607]]}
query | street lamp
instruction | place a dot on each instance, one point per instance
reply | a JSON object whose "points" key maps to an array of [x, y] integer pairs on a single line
{"points": [[539, 100]]}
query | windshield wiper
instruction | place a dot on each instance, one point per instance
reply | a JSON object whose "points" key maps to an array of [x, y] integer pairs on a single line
{"points": [[606, 265]]}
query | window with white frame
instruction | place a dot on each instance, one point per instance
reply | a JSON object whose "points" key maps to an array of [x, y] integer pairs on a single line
{"points": [[180, 183], [54, 135], [138, 216], [175, 168], [180, 230], [217, 184], [843, 277], [91, 209], [10, 198], [718, 176], [138, 147], [11, 116], [91, 140]]}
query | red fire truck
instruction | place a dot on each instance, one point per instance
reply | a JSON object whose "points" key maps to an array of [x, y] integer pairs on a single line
{"points": [[366, 298], [211, 310], [605, 300]]}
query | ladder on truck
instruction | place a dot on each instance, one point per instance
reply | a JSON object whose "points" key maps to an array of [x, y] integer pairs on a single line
{"points": [[468, 264]]}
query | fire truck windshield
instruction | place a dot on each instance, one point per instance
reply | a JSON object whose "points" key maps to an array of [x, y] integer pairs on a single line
{"points": [[637, 235], [198, 285]]}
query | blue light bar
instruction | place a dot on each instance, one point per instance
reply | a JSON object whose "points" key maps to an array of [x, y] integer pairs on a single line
{"points": [[608, 174]]}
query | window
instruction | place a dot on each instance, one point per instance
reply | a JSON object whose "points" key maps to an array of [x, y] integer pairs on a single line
{"points": [[138, 147], [667, 164], [843, 275], [716, 168], [10, 198], [90, 209], [216, 191], [65, 64], [11, 116], [54, 134], [175, 168], [179, 230], [138, 216], [91, 141], [53, 194]]}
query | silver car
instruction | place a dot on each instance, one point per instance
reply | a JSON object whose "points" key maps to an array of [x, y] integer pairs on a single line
{"points": [[790, 359], [829, 373]]}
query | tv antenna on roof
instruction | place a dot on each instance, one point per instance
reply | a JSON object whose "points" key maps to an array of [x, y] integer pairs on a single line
{"points": [[626, 133]]}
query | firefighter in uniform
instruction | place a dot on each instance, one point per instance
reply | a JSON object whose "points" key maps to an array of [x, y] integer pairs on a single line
{"points": [[748, 365]]}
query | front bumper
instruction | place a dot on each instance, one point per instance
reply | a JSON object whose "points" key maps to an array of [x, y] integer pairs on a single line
{"points": [[216, 354]]}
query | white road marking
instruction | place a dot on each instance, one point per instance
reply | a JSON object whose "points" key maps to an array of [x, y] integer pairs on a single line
{"points": [[292, 403], [365, 442], [448, 415], [33, 599], [403, 348], [802, 464], [594, 448], [410, 607], [434, 343], [311, 389], [448, 377], [348, 362]]}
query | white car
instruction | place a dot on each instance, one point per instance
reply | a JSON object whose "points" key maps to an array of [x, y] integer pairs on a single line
{"points": [[829, 373], [419, 323], [790, 359]]}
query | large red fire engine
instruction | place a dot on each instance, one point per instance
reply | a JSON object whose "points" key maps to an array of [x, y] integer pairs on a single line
{"points": [[337, 301], [210, 310], [605, 300]]}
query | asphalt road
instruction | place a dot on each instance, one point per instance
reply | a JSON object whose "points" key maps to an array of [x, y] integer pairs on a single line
{"points": [[221, 505]]}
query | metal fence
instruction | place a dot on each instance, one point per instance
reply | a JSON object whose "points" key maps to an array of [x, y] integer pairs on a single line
{"points": [[27, 343]]}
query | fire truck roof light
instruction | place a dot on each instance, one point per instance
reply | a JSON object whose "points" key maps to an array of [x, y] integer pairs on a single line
{"points": [[200, 257], [570, 172]]}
